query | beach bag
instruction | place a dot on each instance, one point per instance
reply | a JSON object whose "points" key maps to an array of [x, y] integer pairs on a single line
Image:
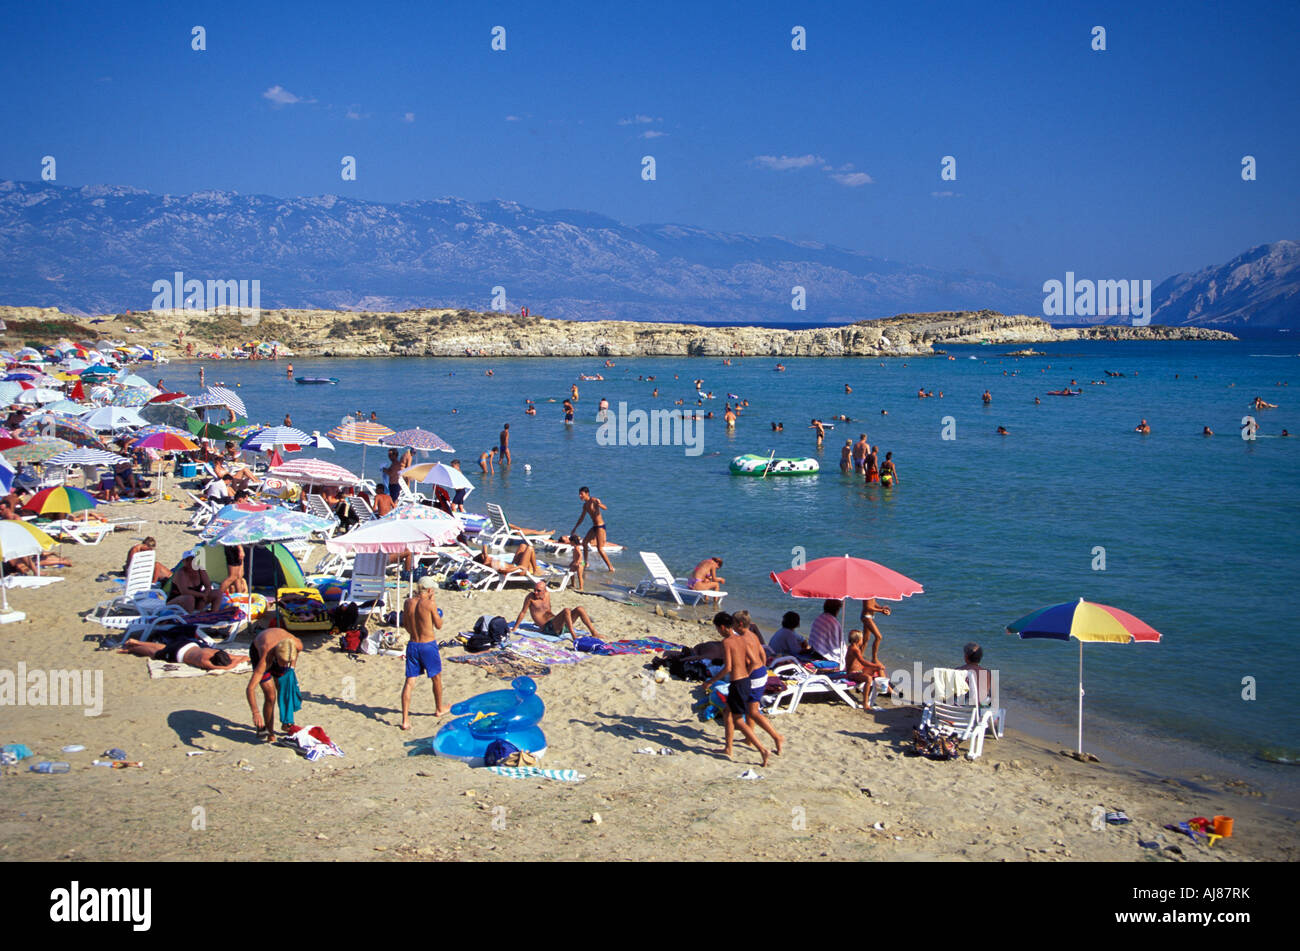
{"points": [[457, 582], [934, 744], [696, 670], [587, 644], [498, 751], [495, 627], [345, 616], [352, 640]]}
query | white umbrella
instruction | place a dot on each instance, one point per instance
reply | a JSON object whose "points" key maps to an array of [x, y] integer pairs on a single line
{"points": [[39, 395], [85, 456], [18, 540], [398, 536], [114, 417], [438, 473]]}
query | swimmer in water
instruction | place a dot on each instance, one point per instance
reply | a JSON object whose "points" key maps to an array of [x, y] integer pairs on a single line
{"points": [[1142, 428], [1002, 431], [1207, 431]]}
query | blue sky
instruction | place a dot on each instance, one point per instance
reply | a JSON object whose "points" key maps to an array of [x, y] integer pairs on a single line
{"points": [[1118, 164]]}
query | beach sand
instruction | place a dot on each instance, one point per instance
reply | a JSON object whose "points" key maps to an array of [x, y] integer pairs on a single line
{"points": [[844, 771]]}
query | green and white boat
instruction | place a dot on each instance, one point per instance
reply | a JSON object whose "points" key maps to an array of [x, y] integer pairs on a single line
{"points": [[755, 465]]}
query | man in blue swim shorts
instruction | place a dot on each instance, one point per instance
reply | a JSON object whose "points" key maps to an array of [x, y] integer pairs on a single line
{"points": [[420, 619]]}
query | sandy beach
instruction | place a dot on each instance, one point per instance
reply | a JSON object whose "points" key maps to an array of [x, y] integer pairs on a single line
{"points": [[844, 789]]}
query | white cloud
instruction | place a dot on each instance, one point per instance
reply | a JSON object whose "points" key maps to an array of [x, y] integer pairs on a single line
{"points": [[785, 162], [640, 120], [354, 112], [651, 134], [408, 117], [944, 195], [282, 97], [514, 118], [852, 179]]}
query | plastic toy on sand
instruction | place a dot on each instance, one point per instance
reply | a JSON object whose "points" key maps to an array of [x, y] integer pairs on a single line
{"points": [[511, 715]]}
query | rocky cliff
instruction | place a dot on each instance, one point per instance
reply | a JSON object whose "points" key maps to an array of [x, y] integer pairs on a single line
{"points": [[454, 333]]}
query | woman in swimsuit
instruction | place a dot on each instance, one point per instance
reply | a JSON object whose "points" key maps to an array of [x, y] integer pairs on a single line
{"points": [[873, 471]]}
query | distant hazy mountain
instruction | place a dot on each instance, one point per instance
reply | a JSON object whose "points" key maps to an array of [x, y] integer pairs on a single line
{"points": [[1259, 289], [99, 249]]}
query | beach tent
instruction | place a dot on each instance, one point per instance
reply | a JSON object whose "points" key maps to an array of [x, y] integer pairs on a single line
{"points": [[281, 570]]}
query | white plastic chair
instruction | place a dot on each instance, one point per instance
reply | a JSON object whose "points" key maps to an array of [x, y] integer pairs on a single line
{"points": [[661, 579], [968, 723]]}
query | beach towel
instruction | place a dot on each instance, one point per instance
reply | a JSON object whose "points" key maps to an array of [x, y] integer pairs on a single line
{"points": [[949, 683], [536, 772], [29, 581], [529, 629], [640, 645], [526, 648], [498, 664], [160, 668], [311, 741], [288, 696]]}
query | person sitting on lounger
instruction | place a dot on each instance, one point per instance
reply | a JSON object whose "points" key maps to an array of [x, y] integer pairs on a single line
{"points": [[192, 589], [526, 558], [160, 573], [973, 654], [786, 641], [704, 576], [537, 604], [182, 650], [483, 558]]}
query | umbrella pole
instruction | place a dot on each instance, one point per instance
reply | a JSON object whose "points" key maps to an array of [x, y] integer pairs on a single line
{"points": [[1080, 743]]}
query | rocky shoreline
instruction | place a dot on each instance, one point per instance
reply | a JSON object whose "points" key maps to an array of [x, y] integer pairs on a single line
{"points": [[459, 333]]}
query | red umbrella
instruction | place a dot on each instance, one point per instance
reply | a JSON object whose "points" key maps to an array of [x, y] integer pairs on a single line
{"points": [[844, 578], [167, 397], [8, 442]]}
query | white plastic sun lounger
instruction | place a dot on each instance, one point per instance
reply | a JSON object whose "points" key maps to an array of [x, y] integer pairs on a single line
{"points": [[661, 579]]}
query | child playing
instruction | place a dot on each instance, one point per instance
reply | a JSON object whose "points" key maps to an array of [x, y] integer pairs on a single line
{"points": [[577, 566]]}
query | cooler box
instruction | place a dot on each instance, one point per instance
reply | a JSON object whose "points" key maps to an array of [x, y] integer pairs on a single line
{"points": [[187, 470], [302, 611]]}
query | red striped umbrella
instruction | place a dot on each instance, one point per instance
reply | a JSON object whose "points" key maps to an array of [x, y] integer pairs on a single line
{"points": [[360, 432], [315, 472]]}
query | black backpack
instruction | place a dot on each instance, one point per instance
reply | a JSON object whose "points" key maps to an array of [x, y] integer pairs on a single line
{"points": [[489, 633]]}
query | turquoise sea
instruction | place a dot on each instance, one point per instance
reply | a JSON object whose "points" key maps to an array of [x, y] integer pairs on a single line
{"points": [[1199, 534]]}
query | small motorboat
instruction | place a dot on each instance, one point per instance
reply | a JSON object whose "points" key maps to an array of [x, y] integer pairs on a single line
{"points": [[331, 380]]}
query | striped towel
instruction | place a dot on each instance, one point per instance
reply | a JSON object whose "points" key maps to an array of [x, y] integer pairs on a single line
{"points": [[529, 649], [536, 772], [640, 645]]}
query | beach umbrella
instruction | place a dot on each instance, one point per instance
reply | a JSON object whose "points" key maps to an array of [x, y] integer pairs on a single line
{"points": [[315, 472], [844, 578], [9, 442], [38, 449], [18, 539], [228, 515], [202, 430], [219, 396], [60, 500], [85, 457], [319, 441], [273, 436], [1084, 621], [6, 476], [9, 391], [114, 417], [270, 525], [39, 395], [244, 428], [417, 438], [437, 473], [123, 378], [66, 408], [398, 536], [136, 396], [164, 441], [172, 414], [71, 428], [153, 428], [359, 432], [167, 397]]}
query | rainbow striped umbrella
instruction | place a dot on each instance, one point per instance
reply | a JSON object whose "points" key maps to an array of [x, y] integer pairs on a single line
{"points": [[1084, 621], [60, 500], [164, 442], [18, 539], [360, 432]]}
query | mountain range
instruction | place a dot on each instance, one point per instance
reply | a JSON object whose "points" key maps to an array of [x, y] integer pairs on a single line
{"points": [[100, 249]]}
